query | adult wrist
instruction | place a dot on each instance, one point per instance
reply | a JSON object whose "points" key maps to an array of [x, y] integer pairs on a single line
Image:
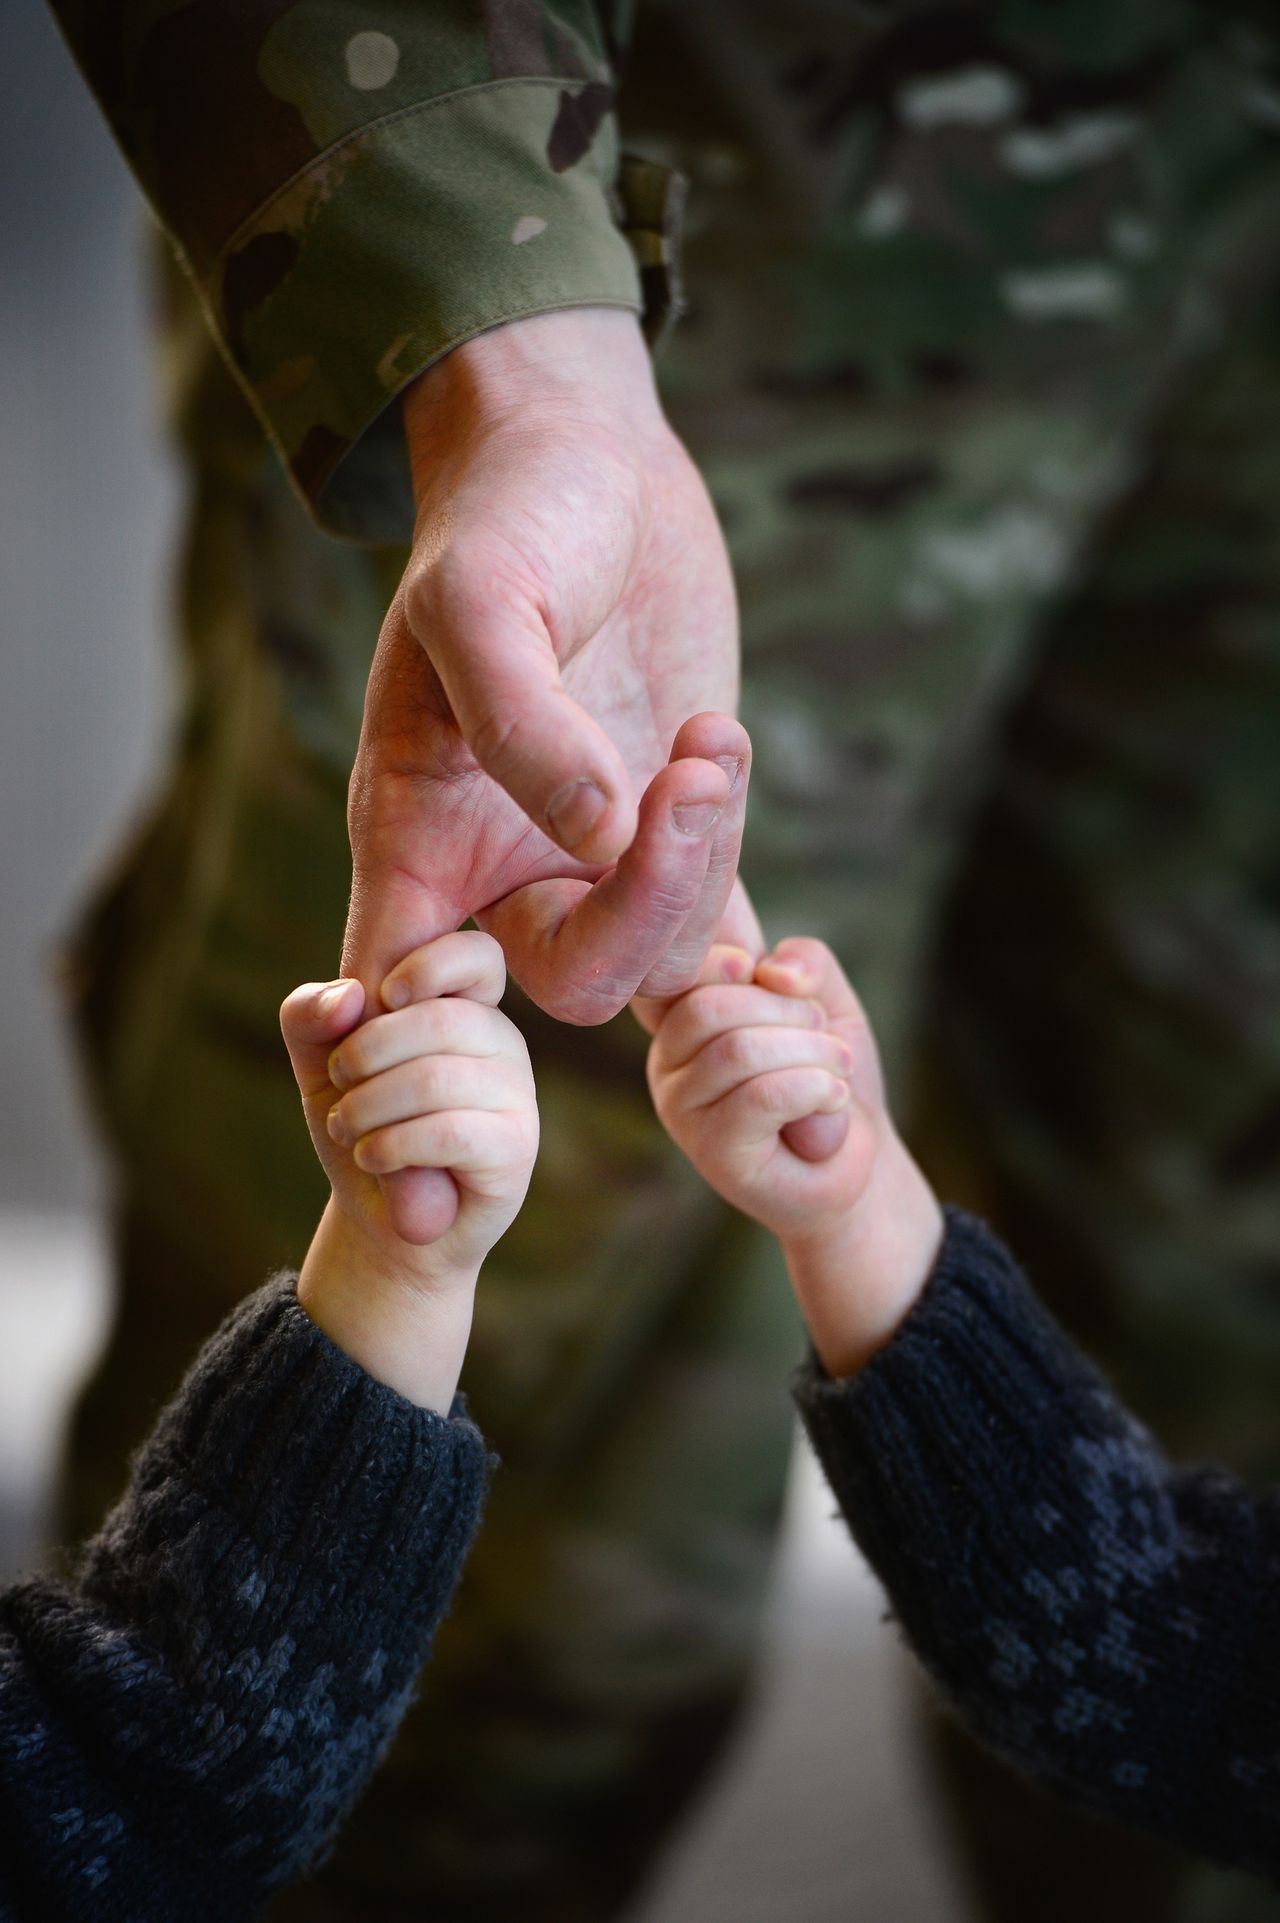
{"points": [[592, 361]]}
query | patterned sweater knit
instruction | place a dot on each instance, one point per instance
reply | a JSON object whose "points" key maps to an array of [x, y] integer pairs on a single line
{"points": [[1110, 1623], [183, 1727]]}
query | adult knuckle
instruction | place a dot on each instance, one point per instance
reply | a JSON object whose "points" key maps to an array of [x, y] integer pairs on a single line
{"points": [[494, 737], [673, 975], [421, 602], [457, 565], [670, 898]]}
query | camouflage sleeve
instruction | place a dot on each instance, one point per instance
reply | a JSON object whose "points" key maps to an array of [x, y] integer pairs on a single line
{"points": [[357, 186]]}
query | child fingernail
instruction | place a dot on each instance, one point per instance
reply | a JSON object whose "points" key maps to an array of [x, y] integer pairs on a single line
{"points": [[330, 999], [817, 1014], [838, 1098], [395, 994]]}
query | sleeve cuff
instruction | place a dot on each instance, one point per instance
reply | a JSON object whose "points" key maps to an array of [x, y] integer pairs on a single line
{"points": [[281, 1447], [510, 219], [972, 1396]]}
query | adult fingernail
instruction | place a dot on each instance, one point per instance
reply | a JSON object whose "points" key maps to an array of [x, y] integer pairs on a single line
{"points": [[574, 811], [732, 765], [396, 994], [333, 1123], [696, 818]]}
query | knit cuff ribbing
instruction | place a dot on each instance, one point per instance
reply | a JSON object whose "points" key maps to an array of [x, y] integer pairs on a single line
{"points": [[956, 1407], [330, 1472]]}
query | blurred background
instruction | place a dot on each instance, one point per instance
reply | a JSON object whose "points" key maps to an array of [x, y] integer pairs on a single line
{"points": [[822, 1813]]}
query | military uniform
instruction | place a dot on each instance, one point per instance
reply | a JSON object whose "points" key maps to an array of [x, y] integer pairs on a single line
{"points": [[980, 363]]}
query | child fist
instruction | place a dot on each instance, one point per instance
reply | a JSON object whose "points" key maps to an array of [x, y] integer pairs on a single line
{"points": [[440, 1081], [734, 1065]]}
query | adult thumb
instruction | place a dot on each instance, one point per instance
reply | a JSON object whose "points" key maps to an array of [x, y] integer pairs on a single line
{"points": [[498, 667]]}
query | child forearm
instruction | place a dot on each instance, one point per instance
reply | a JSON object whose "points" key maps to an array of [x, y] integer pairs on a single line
{"points": [[1109, 1624], [214, 1691], [411, 1339], [856, 1281]]}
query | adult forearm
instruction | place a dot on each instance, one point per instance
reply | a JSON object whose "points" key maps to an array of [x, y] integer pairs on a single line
{"points": [[354, 199]]}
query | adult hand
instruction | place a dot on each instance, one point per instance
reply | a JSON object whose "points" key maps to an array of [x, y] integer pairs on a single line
{"points": [[528, 755]]}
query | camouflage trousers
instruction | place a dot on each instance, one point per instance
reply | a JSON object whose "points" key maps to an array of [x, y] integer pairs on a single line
{"points": [[982, 364]]}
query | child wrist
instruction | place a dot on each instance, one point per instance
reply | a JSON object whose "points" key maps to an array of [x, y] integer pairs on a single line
{"points": [[858, 1279], [408, 1332]]}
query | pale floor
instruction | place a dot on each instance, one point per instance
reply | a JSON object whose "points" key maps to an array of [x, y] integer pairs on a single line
{"points": [[819, 1817]]}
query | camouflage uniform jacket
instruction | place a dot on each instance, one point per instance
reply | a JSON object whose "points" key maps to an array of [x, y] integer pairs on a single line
{"points": [[356, 189]]}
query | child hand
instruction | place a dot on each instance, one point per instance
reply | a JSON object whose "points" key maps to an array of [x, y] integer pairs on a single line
{"points": [[733, 1065], [443, 1083]]}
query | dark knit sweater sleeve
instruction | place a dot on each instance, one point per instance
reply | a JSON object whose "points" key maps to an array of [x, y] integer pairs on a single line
{"points": [[182, 1728], [1109, 1623]]}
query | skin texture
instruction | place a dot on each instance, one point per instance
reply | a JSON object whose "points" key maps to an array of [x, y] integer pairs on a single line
{"points": [[548, 742], [752, 1050], [441, 1079], [564, 640]]}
